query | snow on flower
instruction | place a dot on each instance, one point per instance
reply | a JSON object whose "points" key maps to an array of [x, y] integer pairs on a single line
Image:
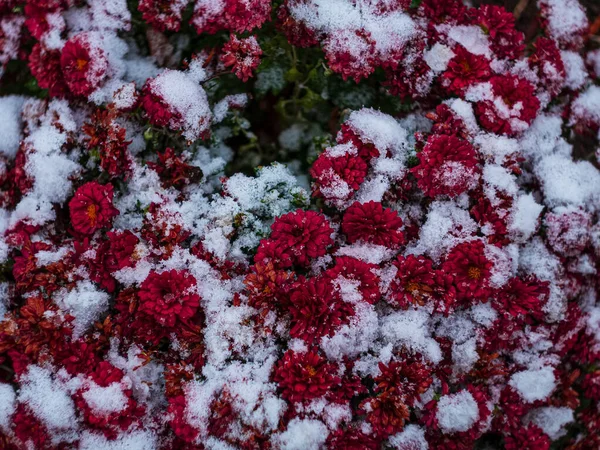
{"points": [[302, 224]]}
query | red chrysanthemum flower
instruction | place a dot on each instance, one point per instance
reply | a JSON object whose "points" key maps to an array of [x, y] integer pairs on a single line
{"points": [[522, 297], [233, 15], [297, 33], [568, 230], [351, 53], [386, 413], [109, 138], [304, 376], [266, 286], [407, 378], [164, 15], [445, 121], [447, 166], [178, 422], [550, 67], [45, 67], [352, 438], [464, 70], [122, 248], [174, 171], [91, 208], [95, 413], [272, 252], [169, 296], [371, 222], [440, 11], [29, 430], [317, 309], [530, 437], [471, 269], [336, 178], [417, 283], [499, 24], [84, 64], [159, 112], [163, 229], [306, 234], [366, 149], [414, 281], [242, 56], [512, 108], [355, 270]]}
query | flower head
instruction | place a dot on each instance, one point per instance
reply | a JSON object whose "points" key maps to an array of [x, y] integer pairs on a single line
{"points": [[305, 234], [242, 56], [84, 64], [91, 208], [372, 223], [169, 297], [448, 165], [304, 376]]}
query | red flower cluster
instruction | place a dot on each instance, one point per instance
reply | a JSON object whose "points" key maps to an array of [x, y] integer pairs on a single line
{"points": [[242, 56], [438, 290]]}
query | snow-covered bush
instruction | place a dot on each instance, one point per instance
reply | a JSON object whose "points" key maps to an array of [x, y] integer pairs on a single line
{"points": [[298, 224]]}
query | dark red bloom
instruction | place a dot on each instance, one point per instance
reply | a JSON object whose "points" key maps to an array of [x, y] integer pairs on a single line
{"points": [[45, 67], [568, 230], [355, 270], [317, 309], [84, 64], [445, 121], [164, 15], [297, 33], [351, 53], [169, 297], [306, 235], [414, 282], [272, 252], [447, 166], [522, 297], [233, 15], [371, 222], [109, 421], [174, 171], [28, 429], [122, 248], [242, 56], [464, 70], [267, 286], [550, 67], [178, 422], [91, 208], [471, 269], [109, 139], [336, 178], [417, 283], [163, 229], [304, 376], [386, 413], [407, 378], [499, 24], [352, 438], [440, 11], [529, 437], [512, 108]]}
